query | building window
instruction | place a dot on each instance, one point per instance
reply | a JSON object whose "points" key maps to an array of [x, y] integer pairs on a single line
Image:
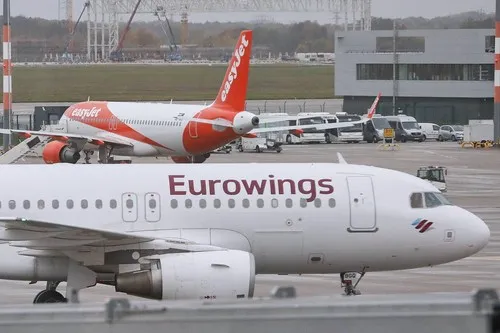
{"points": [[403, 44], [489, 44], [426, 72]]}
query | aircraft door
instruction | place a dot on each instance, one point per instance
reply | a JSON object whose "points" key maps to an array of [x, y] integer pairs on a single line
{"points": [[129, 207], [152, 204], [362, 204]]}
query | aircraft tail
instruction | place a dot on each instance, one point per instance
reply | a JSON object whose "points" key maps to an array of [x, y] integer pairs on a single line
{"points": [[373, 108], [233, 91]]}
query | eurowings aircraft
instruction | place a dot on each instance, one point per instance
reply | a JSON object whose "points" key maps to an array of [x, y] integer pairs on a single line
{"points": [[187, 133], [168, 231]]}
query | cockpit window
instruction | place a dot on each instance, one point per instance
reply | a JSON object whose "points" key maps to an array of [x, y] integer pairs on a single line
{"points": [[431, 199], [416, 200]]}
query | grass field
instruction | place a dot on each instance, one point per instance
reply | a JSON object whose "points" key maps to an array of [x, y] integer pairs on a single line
{"points": [[164, 82]]}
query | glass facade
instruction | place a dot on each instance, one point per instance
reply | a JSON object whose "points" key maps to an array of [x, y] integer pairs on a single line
{"points": [[426, 72]]}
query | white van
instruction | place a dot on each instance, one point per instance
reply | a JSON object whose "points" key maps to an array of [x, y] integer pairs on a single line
{"points": [[430, 130]]}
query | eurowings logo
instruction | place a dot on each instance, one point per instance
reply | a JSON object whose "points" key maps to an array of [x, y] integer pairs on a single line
{"points": [[422, 225]]}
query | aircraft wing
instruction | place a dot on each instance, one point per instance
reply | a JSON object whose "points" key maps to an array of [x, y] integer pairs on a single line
{"points": [[42, 238], [58, 135], [299, 127]]}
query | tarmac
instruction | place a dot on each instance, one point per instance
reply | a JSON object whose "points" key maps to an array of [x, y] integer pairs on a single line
{"points": [[473, 182]]}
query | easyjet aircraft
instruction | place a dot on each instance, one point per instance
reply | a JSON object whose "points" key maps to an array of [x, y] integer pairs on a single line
{"points": [[187, 133], [168, 231]]}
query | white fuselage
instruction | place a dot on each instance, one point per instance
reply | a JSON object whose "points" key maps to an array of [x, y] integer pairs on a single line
{"points": [[360, 216]]}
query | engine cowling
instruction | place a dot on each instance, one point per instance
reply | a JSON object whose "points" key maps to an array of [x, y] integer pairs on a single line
{"points": [[190, 159], [193, 275], [59, 152]]}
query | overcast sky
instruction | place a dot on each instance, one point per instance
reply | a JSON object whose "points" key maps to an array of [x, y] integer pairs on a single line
{"points": [[385, 8]]}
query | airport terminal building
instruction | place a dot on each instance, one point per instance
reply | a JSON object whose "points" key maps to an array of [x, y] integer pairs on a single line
{"points": [[442, 76]]}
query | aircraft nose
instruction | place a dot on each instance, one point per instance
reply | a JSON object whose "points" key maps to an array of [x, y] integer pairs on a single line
{"points": [[479, 233]]}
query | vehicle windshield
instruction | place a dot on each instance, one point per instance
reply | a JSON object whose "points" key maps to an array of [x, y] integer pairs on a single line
{"points": [[410, 125], [458, 128], [312, 121], [355, 128], [436, 175], [380, 123]]}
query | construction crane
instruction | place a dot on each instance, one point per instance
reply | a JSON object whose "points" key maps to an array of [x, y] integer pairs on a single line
{"points": [[174, 55], [116, 54], [73, 31]]}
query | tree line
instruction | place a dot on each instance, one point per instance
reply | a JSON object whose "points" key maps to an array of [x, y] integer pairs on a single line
{"points": [[305, 36]]}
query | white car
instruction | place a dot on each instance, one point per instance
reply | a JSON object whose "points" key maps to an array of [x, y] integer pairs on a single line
{"points": [[430, 130]]}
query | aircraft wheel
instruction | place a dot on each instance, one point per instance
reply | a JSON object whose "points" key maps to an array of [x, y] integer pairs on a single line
{"points": [[49, 296]]}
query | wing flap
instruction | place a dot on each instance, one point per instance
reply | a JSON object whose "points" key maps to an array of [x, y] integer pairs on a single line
{"points": [[42, 237], [110, 139]]}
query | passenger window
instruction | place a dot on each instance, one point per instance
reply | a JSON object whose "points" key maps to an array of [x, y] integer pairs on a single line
{"points": [[331, 203], [69, 204], [260, 203], [85, 204], [317, 202], [231, 203], [55, 204], [98, 204], [173, 203], [188, 203], [129, 203], [246, 203], [0, 204], [41, 204], [288, 203], [217, 203], [113, 204], [431, 201], [12, 204], [416, 200], [26, 204], [303, 203], [152, 204], [203, 203], [274, 203]]}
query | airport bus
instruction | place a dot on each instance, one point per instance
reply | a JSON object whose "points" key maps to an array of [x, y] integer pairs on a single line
{"points": [[352, 134], [310, 135]]}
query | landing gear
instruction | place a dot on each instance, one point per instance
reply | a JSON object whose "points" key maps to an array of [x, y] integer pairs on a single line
{"points": [[88, 153], [50, 295], [104, 154], [79, 277], [346, 280]]}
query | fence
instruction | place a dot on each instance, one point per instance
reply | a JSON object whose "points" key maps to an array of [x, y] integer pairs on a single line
{"points": [[409, 313]]}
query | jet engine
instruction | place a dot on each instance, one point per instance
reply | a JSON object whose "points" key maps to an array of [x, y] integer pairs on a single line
{"points": [[60, 152], [190, 159], [193, 275]]}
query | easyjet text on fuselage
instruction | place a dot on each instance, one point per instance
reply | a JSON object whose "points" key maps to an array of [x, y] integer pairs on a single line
{"points": [[86, 113]]}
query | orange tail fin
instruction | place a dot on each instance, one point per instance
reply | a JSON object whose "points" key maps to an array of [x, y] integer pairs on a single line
{"points": [[373, 108], [233, 91]]}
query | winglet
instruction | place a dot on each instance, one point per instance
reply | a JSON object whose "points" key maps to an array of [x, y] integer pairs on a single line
{"points": [[373, 108], [341, 159], [233, 91]]}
